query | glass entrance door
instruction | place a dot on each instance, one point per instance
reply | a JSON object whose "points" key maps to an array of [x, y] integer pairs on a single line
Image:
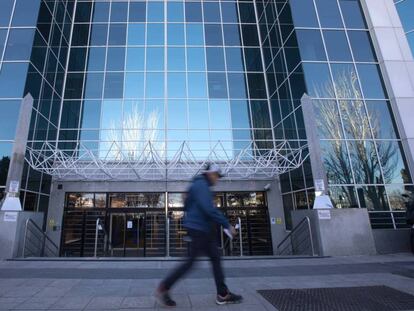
{"points": [[127, 234]]}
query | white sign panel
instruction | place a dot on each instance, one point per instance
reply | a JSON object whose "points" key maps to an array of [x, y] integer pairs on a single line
{"points": [[129, 224], [319, 185], [273, 221], [10, 217], [324, 214], [14, 186]]}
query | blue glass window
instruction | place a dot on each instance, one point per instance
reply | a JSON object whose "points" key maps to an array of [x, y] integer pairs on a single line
{"points": [[83, 12], [303, 12], [346, 81], [232, 35], [371, 81], [134, 85], [176, 85], [99, 34], [318, 80], [260, 114], [229, 12], [234, 59], [94, 85], [176, 59], [240, 114], [220, 116], [25, 12], [3, 33], [155, 34], [119, 11], [195, 59], [329, 14], [193, 12], [250, 36], [175, 12], [175, 34], [19, 45], [114, 85], [136, 34], [217, 85], [111, 114], [116, 59], [117, 34], [310, 44], [6, 12], [198, 114], [155, 59], [177, 114], [154, 85], [253, 59], [256, 85], [197, 85], [195, 34], [9, 115], [215, 59], [211, 12], [91, 113], [96, 60], [155, 12], [137, 11], [382, 123], [361, 46], [352, 12], [13, 79], [237, 85], [100, 12], [135, 59], [213, 34], [337, 45]]}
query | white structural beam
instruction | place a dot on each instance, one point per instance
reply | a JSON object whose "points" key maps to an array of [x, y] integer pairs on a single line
{"points": [[151, 162]]}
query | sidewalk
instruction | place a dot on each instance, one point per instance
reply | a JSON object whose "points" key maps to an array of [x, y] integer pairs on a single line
{"points": [[119, 285]]}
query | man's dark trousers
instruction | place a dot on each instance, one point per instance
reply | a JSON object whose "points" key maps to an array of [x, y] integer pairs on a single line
{"points": [[201, 243]]}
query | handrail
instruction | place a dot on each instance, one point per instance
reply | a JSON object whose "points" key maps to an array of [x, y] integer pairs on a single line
{"points": [[42, 240], [168, 238], [229, 241], [240, 236], [295, 229], [98, 223]]}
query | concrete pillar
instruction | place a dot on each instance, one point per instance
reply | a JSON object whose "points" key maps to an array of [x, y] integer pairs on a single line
{"points": [[397, 66], [11, 201], [315, 152]]}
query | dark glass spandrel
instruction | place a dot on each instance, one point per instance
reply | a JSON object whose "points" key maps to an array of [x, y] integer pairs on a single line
{"points": [[119, 12], [343, 196], [83, 12], [193, 12], [99, 34], [211, 12], [373, 198]]}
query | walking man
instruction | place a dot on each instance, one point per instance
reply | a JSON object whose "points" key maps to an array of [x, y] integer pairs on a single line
{"points": [[200, 221], [409, 204]]}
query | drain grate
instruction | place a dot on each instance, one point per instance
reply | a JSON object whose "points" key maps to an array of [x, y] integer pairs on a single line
{"points": [[366, 298]]}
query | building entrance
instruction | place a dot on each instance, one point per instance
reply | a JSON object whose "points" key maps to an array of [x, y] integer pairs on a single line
{"points": [[141, 225]]}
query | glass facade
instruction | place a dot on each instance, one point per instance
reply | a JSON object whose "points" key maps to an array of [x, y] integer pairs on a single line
{"points": [[34, 41], [165, 72], [323, 48], [205, 72], [405, 9]]}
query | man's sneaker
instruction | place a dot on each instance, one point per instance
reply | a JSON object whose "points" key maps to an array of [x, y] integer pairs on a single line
{"points": [[228, 299], [164, 299]]}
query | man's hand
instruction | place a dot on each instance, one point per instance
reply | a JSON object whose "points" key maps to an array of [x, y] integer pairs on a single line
{"points": [[233, 231]]}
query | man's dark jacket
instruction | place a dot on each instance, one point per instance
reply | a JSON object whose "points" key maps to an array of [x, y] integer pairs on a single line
{"points": [[200, 211]]}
